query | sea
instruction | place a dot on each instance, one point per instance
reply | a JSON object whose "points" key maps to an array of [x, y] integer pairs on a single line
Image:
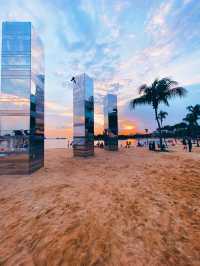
{"points": [[64, 143]]}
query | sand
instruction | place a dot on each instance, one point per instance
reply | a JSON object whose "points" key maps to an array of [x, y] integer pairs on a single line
{"points": [[132, 207]]}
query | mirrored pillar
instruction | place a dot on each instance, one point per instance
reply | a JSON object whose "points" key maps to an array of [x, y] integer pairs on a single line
{"points": [[21, 99], [110, 122], [83, 120]]}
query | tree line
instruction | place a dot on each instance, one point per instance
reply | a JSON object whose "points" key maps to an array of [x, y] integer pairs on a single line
{"points": [[161, 91]]}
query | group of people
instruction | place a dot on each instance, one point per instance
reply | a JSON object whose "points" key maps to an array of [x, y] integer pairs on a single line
{"points": [[128, 144], [152, 146], [187, 144], [100, 145]]}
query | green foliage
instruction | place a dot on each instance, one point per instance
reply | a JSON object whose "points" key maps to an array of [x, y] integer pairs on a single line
{"points": [[160, 91]]}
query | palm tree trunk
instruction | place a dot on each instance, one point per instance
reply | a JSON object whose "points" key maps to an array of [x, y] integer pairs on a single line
{"points": [[196, 134], [159, 128]]}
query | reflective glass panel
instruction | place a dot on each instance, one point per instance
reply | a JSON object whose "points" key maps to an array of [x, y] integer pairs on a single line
{"points": [[21, 104], [83, 116], [110, 122]]}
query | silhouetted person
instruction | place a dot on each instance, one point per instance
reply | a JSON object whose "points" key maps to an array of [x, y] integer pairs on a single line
{"points": [[190, 145], [184, 144], [153, 146], [150, 146], [101, 145]]}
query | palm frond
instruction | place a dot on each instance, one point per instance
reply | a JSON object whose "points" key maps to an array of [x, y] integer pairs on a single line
{"points": [[178, 91], [142, 88], [139, 101], [162, 114], [164, 100], [165, 113], [169, 82], [190, 108], [196, 109]]}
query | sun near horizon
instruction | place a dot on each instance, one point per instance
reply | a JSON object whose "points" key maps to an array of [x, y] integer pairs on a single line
{"points": [[125, 129]]}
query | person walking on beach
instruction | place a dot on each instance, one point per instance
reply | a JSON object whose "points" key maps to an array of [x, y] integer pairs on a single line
{"points": [[128, 144], [153, 146], [190, 145], [184, 144], [72, 144]]}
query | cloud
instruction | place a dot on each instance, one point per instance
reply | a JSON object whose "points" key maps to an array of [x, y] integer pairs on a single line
{"points": [[55, 107], [157, 25]]}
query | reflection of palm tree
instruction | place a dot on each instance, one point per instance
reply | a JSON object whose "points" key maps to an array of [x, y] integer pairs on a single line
{"points": [[161, 116], [160, 91]]}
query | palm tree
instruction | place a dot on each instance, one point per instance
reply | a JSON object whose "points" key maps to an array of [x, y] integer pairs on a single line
{"points": [[192, 119], [160, 91], [189, 119], [195, 110], [162, 115]]}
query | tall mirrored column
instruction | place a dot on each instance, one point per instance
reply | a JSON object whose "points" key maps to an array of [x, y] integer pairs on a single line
{"points": [[83, 121], [110, 122], [21, 99]]}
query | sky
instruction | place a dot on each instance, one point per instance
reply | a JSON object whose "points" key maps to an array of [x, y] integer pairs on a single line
{"points": [[121, 44]]}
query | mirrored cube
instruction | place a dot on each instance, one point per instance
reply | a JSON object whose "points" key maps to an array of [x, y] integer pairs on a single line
{"points": [[83, 120], [21, 99], [110, 122]]}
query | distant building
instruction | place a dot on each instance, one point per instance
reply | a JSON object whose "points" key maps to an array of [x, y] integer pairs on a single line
{"points": [[83, 121], [110, 122], [21, 99]]}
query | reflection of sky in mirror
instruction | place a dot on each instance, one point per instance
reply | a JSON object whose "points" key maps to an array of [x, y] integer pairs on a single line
{"points": [[121, 44], [37, 53], [11, 102], [11, 123]]}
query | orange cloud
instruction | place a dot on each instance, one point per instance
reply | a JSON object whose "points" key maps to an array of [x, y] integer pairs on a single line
{"points": [[98, 128], [126, 127]]}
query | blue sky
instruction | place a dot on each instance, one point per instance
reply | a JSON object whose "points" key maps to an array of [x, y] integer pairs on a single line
{"points": [[121, 44]]}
